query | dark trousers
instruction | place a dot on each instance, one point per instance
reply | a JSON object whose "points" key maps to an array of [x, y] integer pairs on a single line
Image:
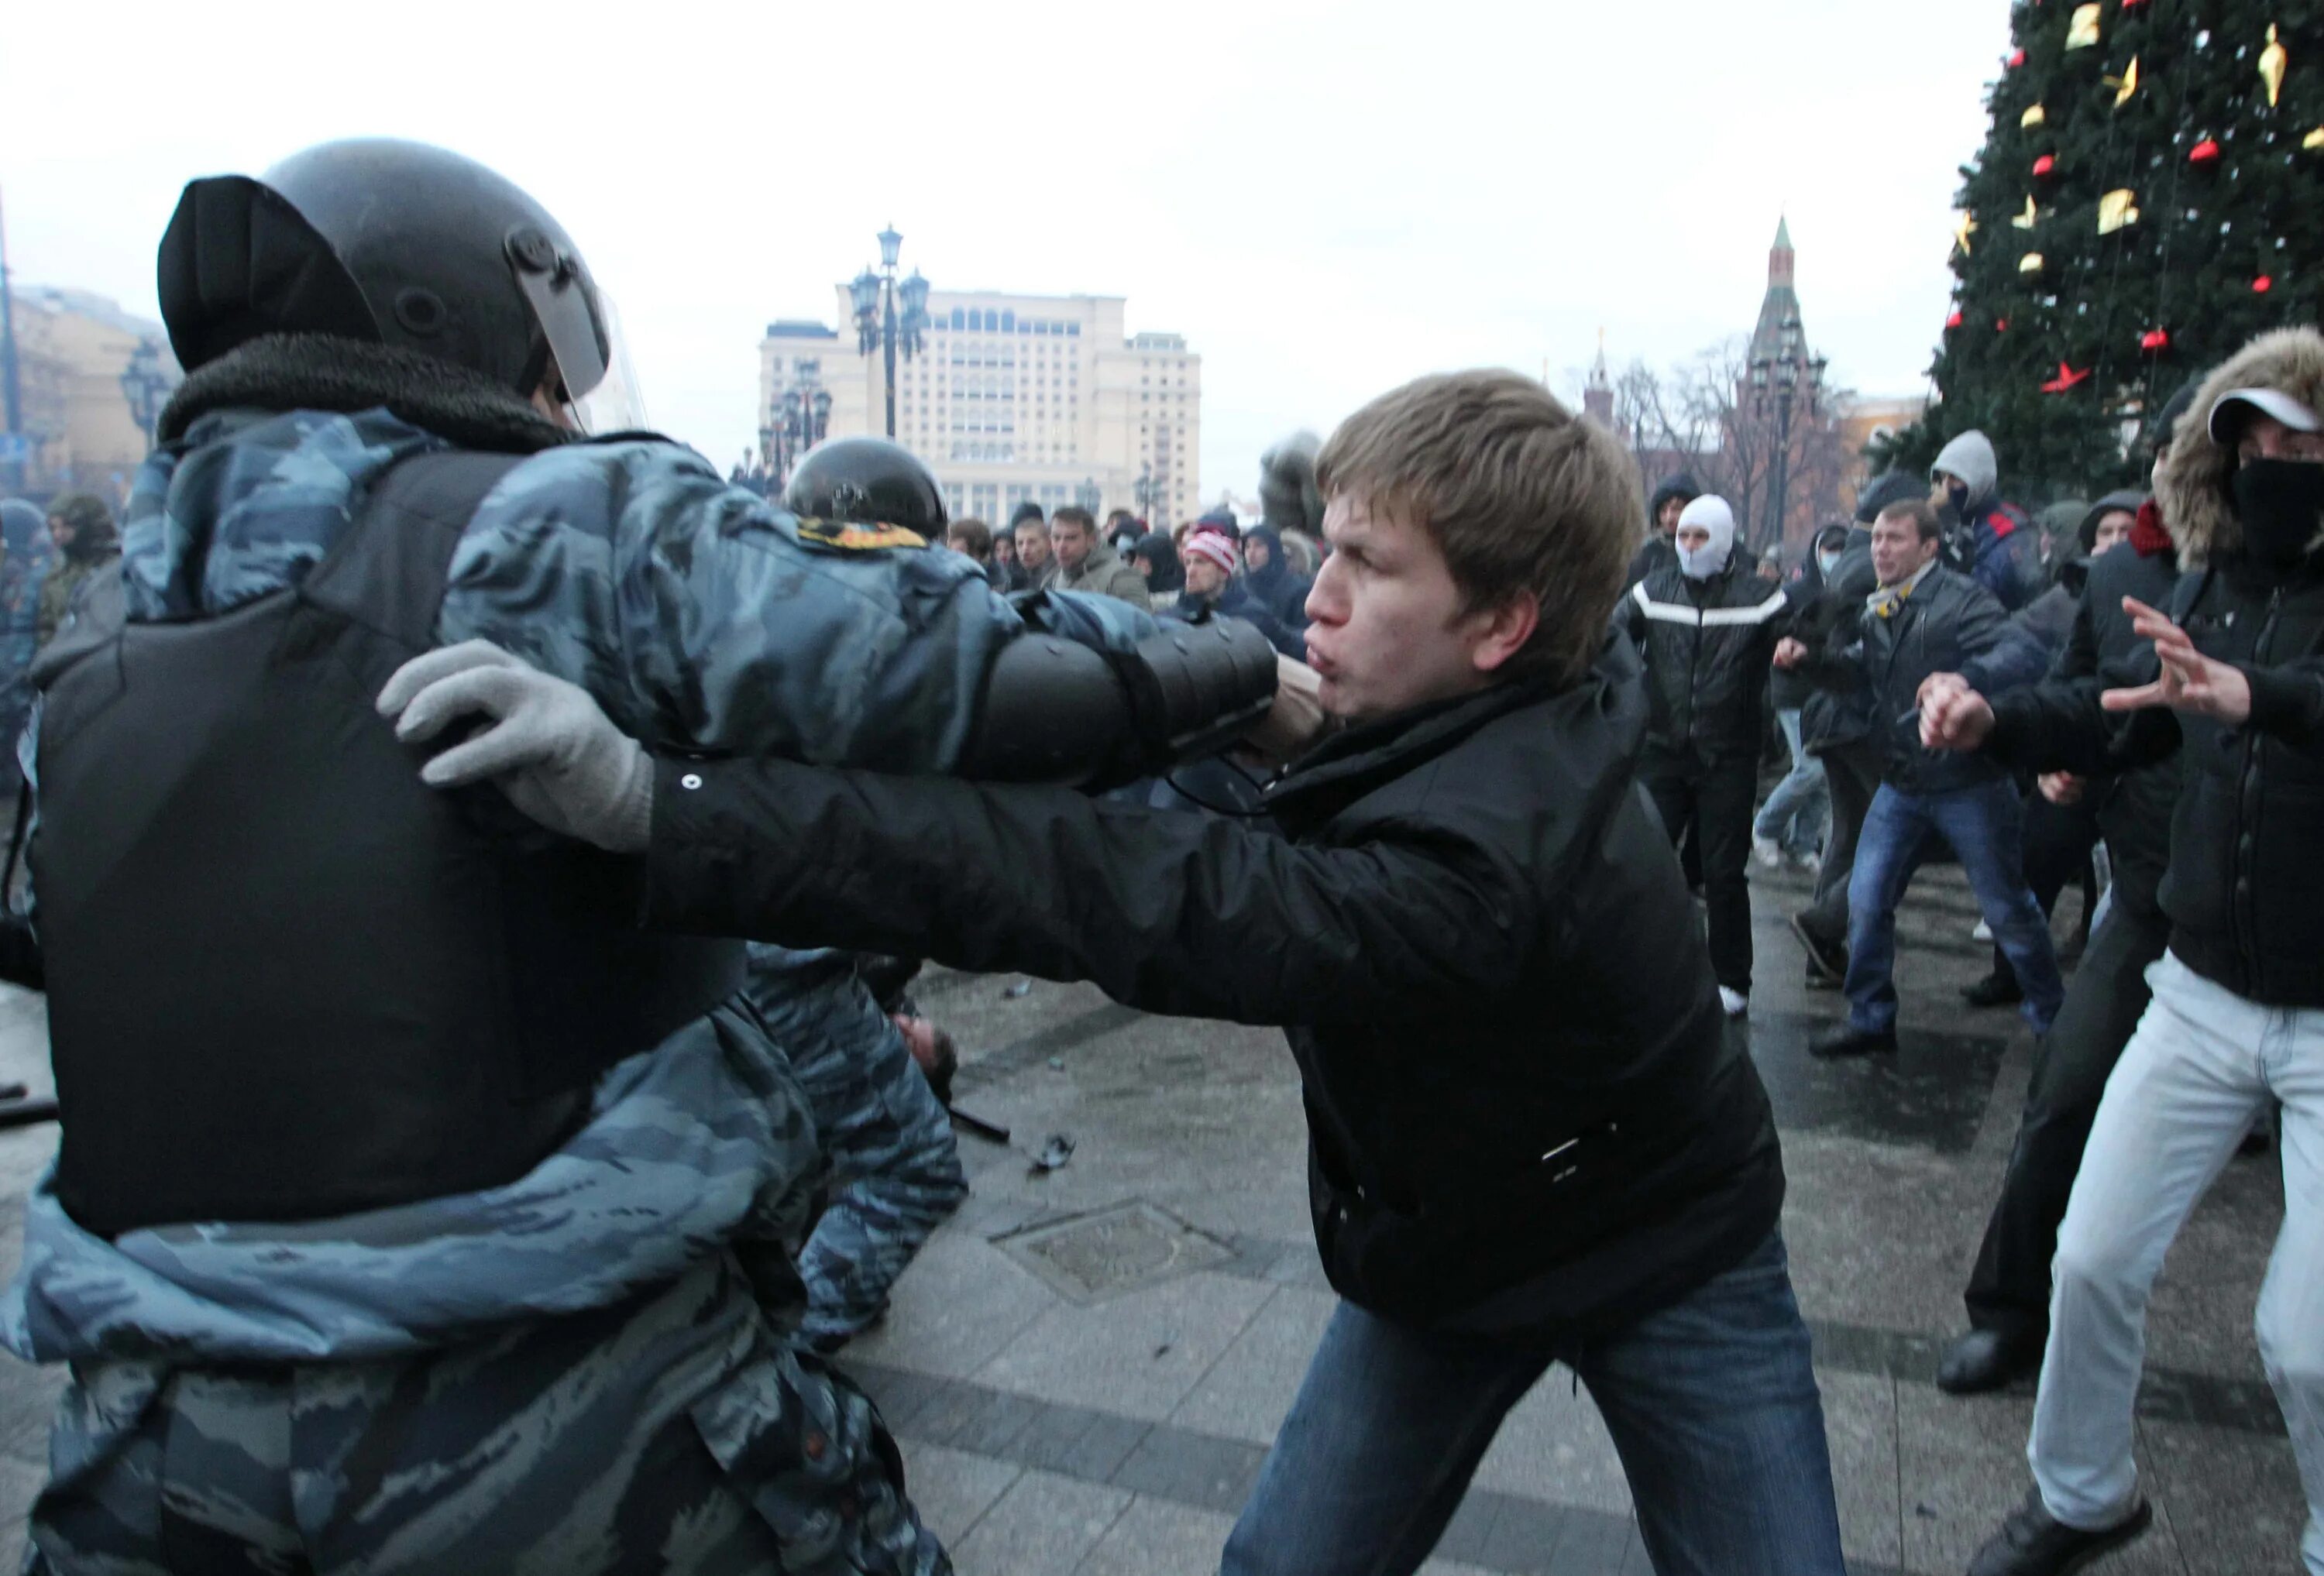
{"points": [[1717, 797], [1853, 773], [2057, 842], [2009, 1289]]}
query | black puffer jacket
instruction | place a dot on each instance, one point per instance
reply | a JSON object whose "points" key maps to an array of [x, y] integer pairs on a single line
{"points": [[1523, 1112], [2135, 806], [1840, 712], [1707, 644], [1949, 625]]}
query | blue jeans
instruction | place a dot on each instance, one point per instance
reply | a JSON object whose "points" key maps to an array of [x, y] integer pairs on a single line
{"points": [[1795, 814], [1710, 1403], [1982, 824]]}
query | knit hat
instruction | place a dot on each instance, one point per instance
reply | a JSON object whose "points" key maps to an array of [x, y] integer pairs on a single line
{"points": [[1028, 510], [1213, 546]]}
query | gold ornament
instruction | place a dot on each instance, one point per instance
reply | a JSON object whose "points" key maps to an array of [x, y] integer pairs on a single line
{"points": [[2029, 264], [1962, 231], [2033, 116], [2272, 61], [2124, 85], [2083, 31], [2116, 210], [2024, 221], [2314, 139]]}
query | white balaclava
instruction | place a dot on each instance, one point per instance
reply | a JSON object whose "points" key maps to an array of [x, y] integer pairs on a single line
{"points": [[1712, 513]]}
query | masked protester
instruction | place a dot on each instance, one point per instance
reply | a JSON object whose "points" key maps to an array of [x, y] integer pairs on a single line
{"points": [[1987, 540], [1707, 627], [375, 1096], [2233, 684]]}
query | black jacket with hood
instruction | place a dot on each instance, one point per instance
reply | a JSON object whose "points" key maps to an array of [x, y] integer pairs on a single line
{"points": [[1524, 1115], [2247, 832]]}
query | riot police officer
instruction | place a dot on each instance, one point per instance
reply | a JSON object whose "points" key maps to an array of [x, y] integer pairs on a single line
{"points": [[414, 1210]]}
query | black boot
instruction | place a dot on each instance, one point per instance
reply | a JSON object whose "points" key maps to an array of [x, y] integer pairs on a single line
{"points": [[1997, 988], [2034, 1543], [1986, 1360], [1844, 1040], [1827, 959]]}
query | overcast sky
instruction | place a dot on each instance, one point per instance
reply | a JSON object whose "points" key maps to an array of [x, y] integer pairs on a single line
{"points": [[1324, 198]]}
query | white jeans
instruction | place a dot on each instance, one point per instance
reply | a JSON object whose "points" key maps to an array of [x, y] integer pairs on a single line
{"points": [[2201, 1065]]}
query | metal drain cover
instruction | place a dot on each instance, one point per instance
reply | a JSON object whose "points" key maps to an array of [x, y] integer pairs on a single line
{"points": [[1124, 1249]]}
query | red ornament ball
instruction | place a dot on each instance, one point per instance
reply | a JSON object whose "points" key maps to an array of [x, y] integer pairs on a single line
{"points": [[2206, 151], [2045, 164], [2018, 59], [2264, 283], [1955, 320], [2155, 339], [2001, 325]]}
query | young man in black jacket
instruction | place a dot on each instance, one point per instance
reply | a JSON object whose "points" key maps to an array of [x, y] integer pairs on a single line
{"points": [[1707, 626], [1531, 1140], [2235, 689]]}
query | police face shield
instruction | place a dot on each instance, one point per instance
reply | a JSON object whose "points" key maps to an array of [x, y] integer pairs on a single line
{"points": [[617, 404], [564, 303]]}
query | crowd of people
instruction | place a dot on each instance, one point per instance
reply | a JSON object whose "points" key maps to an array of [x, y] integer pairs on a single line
{"points": [[432, 1135]]}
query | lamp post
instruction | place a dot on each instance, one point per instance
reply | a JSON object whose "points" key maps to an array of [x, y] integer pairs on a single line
{"points": [[1087, 494], [142, 385], [1144, 493], [800, 418], [891, 314], [1789, 372]]}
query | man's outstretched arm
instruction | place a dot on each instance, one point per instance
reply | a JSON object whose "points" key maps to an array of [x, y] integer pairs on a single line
{"points": [[1168, 911], [1198, 916]]}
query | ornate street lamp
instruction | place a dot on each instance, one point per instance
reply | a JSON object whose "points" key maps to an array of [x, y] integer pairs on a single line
{"points": [[891, 314]]}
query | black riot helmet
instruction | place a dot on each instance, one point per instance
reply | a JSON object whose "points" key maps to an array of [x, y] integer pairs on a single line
{"points": [[866, 481], [397, 242]]}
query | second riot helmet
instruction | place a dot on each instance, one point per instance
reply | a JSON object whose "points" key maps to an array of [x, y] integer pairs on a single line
{"points": [[866, 481]]}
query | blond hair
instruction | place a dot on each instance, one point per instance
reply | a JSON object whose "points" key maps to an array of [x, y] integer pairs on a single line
{"points": [[1521, 496]]}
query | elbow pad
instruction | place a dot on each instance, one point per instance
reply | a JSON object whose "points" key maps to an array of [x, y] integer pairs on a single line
{"points": [[1059, 712]]}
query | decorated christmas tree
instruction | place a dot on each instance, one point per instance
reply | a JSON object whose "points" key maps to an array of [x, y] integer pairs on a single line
{"points": [[2150, 197]]}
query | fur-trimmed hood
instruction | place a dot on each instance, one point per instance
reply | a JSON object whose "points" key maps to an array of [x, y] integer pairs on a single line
{"points": [[2194, 487]]}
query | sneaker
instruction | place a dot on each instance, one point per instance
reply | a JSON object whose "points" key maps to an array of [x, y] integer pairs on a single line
{"points": [[1983, 932], [1809, 862], [2034, 1543], [1735, 1002], [1765, 851]]}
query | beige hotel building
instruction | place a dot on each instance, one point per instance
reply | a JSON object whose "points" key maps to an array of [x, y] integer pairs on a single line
{"points": [[1016, 397]]}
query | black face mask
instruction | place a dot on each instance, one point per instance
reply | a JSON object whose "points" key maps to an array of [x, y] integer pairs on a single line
{"points": [[2281, 503]]}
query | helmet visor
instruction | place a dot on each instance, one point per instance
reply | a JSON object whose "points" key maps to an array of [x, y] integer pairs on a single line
{"points": [[617, 403], [564, 301]]}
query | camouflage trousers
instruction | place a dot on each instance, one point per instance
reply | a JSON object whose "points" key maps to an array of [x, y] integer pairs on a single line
{"points": [[894, 1172], [673, 1433]]}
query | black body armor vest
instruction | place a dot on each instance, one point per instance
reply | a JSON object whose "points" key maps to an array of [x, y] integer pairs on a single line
{"points": [[286, 980]]}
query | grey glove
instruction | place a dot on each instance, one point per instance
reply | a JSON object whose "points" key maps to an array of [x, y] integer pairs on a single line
{"points": [[552, 751]]}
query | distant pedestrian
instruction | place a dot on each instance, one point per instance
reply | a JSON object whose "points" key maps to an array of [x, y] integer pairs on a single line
{"points": [[82, 530], [1032, 533], [1084, 563]]}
